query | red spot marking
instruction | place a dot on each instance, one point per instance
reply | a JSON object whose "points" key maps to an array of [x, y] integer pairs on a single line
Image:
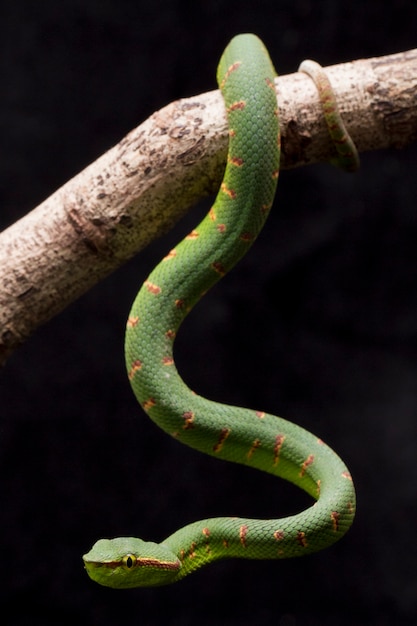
{"points": [[270, 83], [152, 288], [219, 268], [221, 228], [246, 236], [237, 106], [170, 334], [236, 161], [279, 440], [254, 447], [279, 535], [351, 508], [227, 191], [192, 553], [301, 539], [232, 133], [206, 533], [212, 215], [188, 418], [224, 433], [335, 517], [243, 531], [327, 99], [230, 69], [194, 234], [260, 414], [135, 367], [318, 487], [148, 404], [309, 460], [225, 543], [347, 475], [265, 208], [275, 174], [179, 303], [168, 360], [132, 322], [171, 255]]}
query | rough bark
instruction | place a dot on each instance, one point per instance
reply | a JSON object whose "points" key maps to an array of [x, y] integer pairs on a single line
{"points": [[139, 188]]}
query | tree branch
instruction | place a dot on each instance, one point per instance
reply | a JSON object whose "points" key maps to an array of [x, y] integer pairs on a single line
{"points": [[141, 187]]}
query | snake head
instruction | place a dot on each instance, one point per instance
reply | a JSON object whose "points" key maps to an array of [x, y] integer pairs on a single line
{"points": [[128, 562]]}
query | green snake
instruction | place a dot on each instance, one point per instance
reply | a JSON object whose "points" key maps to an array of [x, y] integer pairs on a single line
{"points": [[250, 437]]}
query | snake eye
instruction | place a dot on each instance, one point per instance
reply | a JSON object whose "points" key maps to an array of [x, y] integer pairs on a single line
{"points": [[129, 561]]}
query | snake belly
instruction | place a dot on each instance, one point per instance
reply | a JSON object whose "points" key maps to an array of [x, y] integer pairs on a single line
{"points": [[249, 437]]}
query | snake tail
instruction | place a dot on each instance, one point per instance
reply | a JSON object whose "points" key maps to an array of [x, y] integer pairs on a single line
{"points": [[347, 156]]}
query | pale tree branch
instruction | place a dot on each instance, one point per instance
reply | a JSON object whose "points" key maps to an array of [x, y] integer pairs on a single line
{"points": [[142, 186]]}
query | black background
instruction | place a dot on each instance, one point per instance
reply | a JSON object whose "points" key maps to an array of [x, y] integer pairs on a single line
{"points": [[318, 324]]}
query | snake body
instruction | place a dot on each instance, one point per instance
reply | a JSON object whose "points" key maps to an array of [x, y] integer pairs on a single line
{"points": [[254, 438]]}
